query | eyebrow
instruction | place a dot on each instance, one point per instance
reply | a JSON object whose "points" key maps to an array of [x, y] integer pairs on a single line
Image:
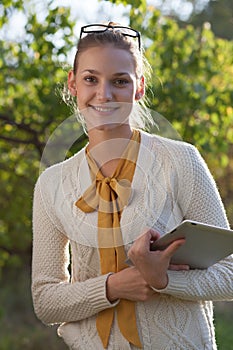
{"points": [[93, 71]]}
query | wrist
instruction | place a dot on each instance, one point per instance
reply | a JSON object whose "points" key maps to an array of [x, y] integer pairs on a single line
{"points": [[160, 286], [110, 290]]}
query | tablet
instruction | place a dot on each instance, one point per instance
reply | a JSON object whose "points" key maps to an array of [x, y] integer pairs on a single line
{"points": [[204, 244]]}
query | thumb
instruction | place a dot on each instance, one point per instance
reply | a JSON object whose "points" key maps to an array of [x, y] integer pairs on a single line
{"points": [[173, 247]]}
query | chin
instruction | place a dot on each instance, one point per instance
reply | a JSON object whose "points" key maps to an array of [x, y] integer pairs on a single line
{"points": [[106, 127]]}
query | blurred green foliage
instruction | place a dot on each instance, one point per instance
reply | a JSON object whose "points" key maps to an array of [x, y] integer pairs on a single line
{"points": [[219, 15], [192, 82], [19, 327], [32, 69], [191, 86]]}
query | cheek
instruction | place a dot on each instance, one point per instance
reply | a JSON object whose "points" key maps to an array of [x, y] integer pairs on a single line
{"points": [[127, 95], [82, 97]]}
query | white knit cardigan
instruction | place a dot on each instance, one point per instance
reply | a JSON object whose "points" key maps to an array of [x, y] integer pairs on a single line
{"points": [[171, 183]]}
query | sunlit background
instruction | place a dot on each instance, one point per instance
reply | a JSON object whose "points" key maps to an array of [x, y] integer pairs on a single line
{"points": [[189, 45]]}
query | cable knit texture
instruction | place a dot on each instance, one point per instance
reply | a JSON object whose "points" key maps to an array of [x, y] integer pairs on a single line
{"points": [[171, 183]]}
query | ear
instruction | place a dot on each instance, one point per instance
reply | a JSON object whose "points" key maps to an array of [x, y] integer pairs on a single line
{"points": [[72, 83], [140, 88]]}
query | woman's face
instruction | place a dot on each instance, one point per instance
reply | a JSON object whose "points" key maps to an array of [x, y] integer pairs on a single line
{"points": [[105, 85]]}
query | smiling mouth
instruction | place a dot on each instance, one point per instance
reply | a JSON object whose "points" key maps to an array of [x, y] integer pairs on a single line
{"points": [[105, 109]]}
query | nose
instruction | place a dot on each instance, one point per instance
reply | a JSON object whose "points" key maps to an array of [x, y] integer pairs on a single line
{"points": [[104, 92]]}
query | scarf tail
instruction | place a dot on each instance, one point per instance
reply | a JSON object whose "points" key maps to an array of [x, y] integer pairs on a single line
{"points": [[127, 322], [103, 324]]}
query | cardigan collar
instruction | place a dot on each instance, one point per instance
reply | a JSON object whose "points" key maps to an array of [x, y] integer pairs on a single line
{"points": [[144, 161], [135, 219]]}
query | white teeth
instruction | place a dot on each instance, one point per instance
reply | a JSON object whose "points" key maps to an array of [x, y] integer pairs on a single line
{"points": [[102, 109]]}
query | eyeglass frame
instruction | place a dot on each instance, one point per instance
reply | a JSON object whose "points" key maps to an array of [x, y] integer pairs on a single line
{"points": [[107, 26]]}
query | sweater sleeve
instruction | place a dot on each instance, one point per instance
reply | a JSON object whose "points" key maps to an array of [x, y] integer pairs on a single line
{"points": [[205, 204], [55, 298], [216, 282]]}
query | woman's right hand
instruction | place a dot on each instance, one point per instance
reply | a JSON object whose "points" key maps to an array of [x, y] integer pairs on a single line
{"points": [[128, 284]]}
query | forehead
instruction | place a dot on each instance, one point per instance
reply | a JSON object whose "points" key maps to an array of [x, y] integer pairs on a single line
{"points": [[106, 59]]}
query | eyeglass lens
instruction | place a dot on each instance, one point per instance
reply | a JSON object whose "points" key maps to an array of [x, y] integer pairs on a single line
{"points": [[95, 28]]}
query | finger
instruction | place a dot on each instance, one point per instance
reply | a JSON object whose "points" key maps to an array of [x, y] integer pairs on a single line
{"points": [[144, 232], [172, 248], [142, 244], [149, 232], [154, 235], [144, 240], [149, 237], [180, 267]]}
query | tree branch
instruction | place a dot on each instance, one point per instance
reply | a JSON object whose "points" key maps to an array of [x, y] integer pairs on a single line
{"points": [[33, 140], [16, 140], [21, 126]]}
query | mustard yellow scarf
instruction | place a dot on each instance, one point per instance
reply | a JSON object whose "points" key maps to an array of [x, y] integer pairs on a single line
{"points": [[109, 195]]}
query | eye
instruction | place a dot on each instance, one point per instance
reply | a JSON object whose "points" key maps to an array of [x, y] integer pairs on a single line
{"points": [[121, 82], [90, 79]]}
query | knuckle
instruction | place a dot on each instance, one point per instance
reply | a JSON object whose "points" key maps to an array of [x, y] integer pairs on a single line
{"points": [[144, 297], [146, 293]]}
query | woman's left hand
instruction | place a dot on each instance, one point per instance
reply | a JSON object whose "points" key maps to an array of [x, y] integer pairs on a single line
{"points": [[153, 265]]}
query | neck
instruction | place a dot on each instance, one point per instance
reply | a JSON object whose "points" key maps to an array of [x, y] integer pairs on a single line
{"points": [[96, 136], [106, 146]]}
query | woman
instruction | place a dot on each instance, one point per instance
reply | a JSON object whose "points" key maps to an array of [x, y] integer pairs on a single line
{"points": [[111, 200]]}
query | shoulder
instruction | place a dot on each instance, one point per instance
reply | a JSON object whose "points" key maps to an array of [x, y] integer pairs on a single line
{"points": [[178, 157], [57, 172], [170, 149]]}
